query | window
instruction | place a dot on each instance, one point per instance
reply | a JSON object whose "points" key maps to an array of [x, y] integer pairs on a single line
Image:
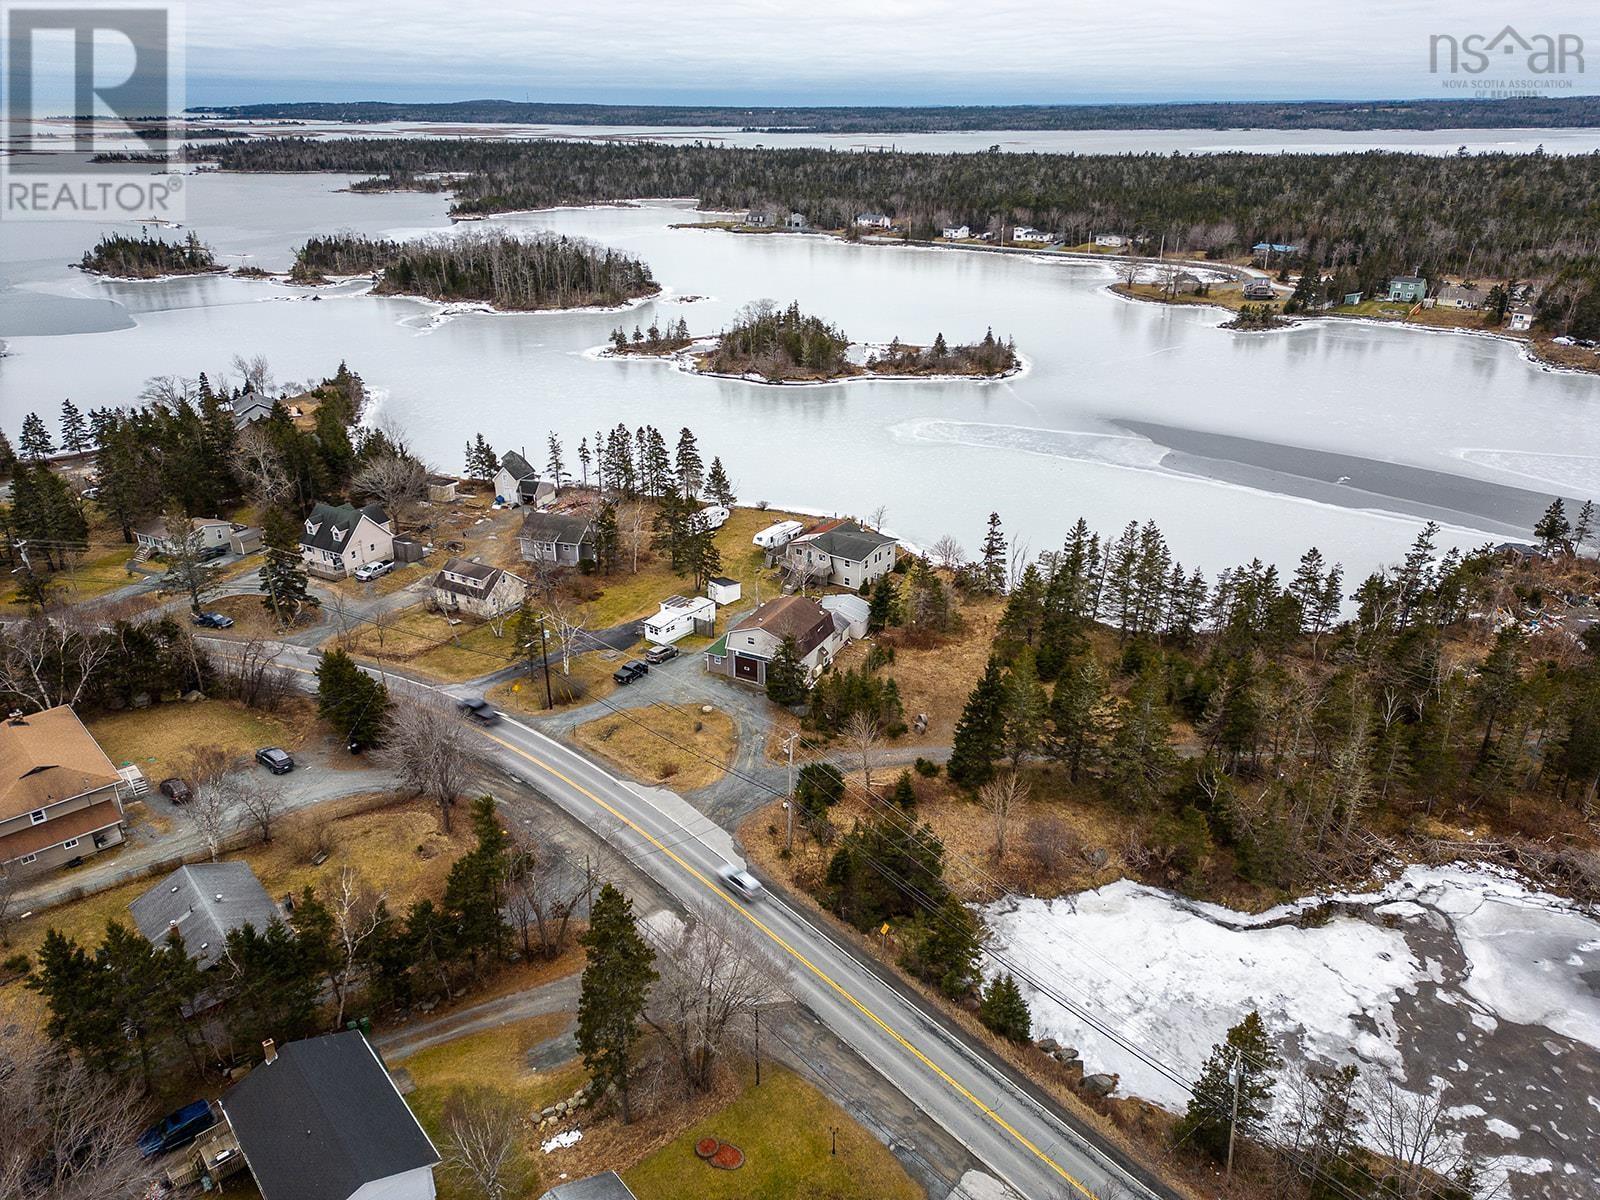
{"points": [[28, 858], [69, 843], [36, 817]]}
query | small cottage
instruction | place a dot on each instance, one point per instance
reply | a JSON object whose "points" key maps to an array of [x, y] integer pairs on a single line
{"points": [[678, 617], [557, 538], [209, 536], [203, 903], [466, 585], [1408, 289]]}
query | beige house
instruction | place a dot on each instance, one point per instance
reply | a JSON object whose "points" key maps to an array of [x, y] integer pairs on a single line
{"points": [[338, 538], [840, 553], [746, 650], [464, 585], [60, 797]]}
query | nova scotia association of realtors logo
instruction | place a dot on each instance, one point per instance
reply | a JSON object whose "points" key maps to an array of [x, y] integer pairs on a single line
{"points": [[84, 111], [1507, 63]]}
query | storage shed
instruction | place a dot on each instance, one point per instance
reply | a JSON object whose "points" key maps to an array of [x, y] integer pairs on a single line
{"points": [[722, 590]]}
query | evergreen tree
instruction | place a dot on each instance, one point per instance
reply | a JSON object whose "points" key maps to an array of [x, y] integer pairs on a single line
{"points": [[946, 950], [1246, 1056], [1003, 1010], [607, 539], [35, 442], [1583, 529], [617, 975], [272, 983], [1553, 529], [691, 469], [818, 788], [350, 700], [555, 464], [786, 676], [718, 485], [8, 456], [74, 431], [285, 584], [584, 458], [1026, 707], [1139, 759], [980, 734], [905, 792], [992, 560], [1077, 714], [883, 610]]}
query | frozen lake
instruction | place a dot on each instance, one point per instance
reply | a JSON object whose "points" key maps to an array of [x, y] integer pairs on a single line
{"points": [[1338, 434]]}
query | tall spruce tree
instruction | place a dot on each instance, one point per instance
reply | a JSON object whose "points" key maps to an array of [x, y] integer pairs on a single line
{"points": [[35, 442], [992, 558], [285, 585], [350, 700], [786, 676], [617, 975], [1244, 1058], [74, 430], [980, 734], [718, 486], [691, 469], [1003, 1010]]}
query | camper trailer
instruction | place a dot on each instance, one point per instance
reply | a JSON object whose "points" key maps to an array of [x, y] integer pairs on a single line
{"points": [[774, 537], [678, 617], [714, 517]]}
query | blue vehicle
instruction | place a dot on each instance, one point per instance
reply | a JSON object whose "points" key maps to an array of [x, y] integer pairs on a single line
{"points": [[177, 1129]]}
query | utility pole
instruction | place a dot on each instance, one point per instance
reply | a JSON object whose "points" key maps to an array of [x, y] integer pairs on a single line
{"points": [[1233, 1121], [544, 653], [788, 805], [756, 1012]]}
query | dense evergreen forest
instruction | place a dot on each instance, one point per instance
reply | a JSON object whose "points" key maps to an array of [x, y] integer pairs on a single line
{"points": [[506, 271], [1361, 216], [146, 257], [1514, 113], [780, 344]]}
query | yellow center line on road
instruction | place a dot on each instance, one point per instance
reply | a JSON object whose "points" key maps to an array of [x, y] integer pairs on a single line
{"points": [[807, 963]]}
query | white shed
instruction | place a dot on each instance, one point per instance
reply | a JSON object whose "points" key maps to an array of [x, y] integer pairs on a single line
{"points": [[680, 616], [722, 590], [779, 534], [852, 609]]}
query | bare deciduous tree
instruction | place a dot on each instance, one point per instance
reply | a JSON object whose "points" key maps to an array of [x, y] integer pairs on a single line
{"points": [[8, 907], [71, 1132], [433, 751], [258, 680], [357, 910], [255, 373], [544, 892], [399, 483], [864, 733], [51, 660], [484, 1130], [257, 462], [258, 805], [213, 806], [713, 979], [1002, 795], [1411, 1131], [947, 553]]}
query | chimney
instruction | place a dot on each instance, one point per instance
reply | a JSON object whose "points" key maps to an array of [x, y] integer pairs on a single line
{"points": [[269, 1050]]}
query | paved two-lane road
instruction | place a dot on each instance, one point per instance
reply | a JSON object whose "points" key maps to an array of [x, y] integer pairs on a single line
{"points": [[1017, 1137]]}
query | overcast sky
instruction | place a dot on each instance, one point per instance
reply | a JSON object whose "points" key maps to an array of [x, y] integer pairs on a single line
{"points": [[831, 51]]}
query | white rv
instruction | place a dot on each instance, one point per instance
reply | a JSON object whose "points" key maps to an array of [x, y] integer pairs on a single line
{"points": [[775, 536], [714, 517], [678, 617]]}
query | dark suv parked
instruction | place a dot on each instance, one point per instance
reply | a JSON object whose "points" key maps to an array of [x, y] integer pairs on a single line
{"points": [[275, 760]]}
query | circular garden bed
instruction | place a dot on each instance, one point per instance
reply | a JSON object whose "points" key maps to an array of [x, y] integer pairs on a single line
{"points": [[725, 1156]]}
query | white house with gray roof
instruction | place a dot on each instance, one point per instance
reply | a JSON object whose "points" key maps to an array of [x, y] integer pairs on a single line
{"points": [[841, 553], [204, 902]]}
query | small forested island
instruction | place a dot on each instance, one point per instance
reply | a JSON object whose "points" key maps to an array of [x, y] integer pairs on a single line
{"points": [[651, 341], [148, 257], [785, 345], [493, 267]]}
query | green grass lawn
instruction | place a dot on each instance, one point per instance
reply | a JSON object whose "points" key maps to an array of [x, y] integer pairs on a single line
{"points": [[784, 1128]]}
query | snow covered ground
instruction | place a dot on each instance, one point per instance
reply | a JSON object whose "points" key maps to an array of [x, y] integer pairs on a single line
{"points": [[1447, 978]]}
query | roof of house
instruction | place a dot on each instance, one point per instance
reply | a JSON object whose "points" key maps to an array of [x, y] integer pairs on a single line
{"points": [[556, 527], [251, 407], [799, 617], [518, 467], [848, 605], [844, 539], [483, 577], [607, 1185], [442, 480], [156, 527], [47, 757], [329, 525], [203, 902], [1409, 279], [323, 1119], [1458, 291]]}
